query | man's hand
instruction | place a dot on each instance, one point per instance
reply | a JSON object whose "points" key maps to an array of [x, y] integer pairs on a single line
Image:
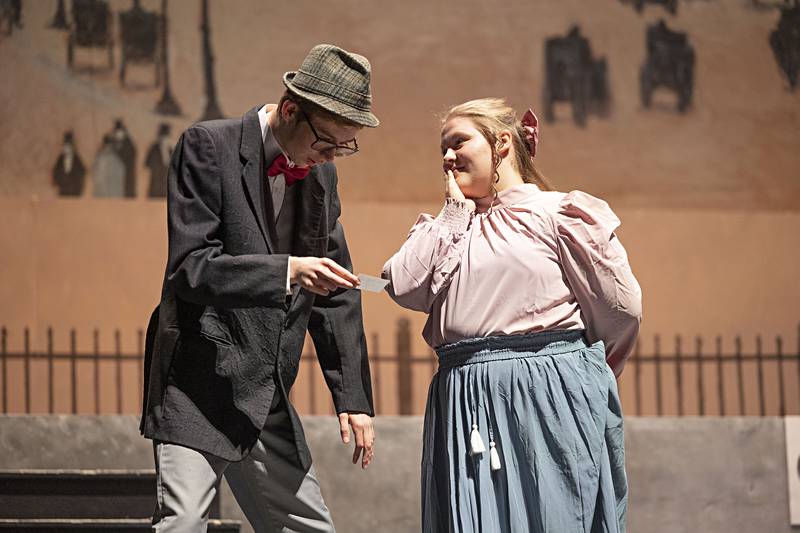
{"points": [[364, 436], [320, 275]]}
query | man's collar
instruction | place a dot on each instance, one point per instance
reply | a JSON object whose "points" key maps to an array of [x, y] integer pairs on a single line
{"points": [[271, 147]]}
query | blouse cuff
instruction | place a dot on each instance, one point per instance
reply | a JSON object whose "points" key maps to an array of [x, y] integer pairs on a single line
{"points": [[455, 215]]}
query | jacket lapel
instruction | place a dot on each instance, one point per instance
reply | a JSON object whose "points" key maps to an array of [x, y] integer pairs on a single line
{"points": [[253, 172], [311, 226], [310, 220]]}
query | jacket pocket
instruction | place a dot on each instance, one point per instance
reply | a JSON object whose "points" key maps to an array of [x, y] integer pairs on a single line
{"points": [[214, 329]]}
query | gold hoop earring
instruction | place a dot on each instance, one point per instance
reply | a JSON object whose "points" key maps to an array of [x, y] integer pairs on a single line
{"points": [[496, 160], [494, 199]]}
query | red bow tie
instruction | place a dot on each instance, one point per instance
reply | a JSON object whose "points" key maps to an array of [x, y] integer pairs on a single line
{"points": [[292, 174]]}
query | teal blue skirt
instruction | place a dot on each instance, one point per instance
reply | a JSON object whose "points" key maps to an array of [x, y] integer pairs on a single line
{"points": [[523, 434]]}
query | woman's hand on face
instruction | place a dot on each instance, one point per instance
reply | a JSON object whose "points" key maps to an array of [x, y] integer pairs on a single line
{"points": [[452, 190]]}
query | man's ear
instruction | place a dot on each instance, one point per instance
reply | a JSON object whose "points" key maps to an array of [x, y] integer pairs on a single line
{"points": [[288, 110]]}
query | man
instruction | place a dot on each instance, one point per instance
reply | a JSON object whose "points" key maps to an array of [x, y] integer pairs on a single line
{"points": [[69, 173], [257, 256], [123, 145], [157, 161]]}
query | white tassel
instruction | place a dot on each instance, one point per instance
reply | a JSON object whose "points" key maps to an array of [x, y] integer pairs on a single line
{"points": [[475, 441], [494, 458]]}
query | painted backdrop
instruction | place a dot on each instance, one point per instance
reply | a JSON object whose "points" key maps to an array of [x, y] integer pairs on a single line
{"points": [[683, 114]]}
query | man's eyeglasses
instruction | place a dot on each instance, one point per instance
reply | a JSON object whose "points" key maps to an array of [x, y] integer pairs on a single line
{"points": [[326, 145]]}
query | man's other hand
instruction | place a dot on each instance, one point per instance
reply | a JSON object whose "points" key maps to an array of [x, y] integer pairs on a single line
{"points": [[363, 433]]}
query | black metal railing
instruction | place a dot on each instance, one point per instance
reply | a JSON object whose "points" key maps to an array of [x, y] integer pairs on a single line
{"points": [[94, 359], [710, 379], [693, 381]]}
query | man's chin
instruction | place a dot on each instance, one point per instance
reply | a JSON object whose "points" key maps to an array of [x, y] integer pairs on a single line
{"points": [[297, 163]]}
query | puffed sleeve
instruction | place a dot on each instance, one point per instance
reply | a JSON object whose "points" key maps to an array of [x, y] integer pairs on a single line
{"points": [[424, 265], [597, 269]]}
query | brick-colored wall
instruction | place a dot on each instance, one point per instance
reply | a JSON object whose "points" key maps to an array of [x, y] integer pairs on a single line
{"points": [[708, 199]]}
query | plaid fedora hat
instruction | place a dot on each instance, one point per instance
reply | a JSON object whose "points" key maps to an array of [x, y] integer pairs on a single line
{"points": [[337, 81]]}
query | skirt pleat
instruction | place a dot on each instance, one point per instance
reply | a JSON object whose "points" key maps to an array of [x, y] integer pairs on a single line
{"points": [[550, 404]]}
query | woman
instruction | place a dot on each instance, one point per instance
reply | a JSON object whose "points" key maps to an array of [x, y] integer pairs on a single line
{"points": [[532, 309]]}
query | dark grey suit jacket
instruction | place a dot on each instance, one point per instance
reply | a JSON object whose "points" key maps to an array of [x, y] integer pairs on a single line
{"points": [[225, 337]]}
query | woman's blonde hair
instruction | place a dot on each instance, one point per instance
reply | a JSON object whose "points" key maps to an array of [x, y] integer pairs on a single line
{"points": [[493, 115]]}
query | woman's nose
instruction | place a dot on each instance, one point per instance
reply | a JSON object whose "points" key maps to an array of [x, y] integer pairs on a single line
{"points": [[449, 155]]}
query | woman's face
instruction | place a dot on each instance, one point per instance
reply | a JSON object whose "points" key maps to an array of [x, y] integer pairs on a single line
{"points": [[466, 152]]}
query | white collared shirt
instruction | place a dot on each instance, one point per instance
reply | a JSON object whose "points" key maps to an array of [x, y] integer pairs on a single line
{"points": [[277, 184]]}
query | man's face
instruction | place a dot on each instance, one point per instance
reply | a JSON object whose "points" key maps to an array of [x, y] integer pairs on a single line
{"points": [[301, 136]]}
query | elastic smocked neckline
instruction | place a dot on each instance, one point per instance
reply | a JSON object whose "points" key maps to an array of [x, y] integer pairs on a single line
{"points": [[512, 195]]}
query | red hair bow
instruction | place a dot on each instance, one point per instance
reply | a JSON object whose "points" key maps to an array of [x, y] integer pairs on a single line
{"points": [[531, 126]]}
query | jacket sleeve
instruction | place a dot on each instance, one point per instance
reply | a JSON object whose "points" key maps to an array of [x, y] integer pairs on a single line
{"points": [[424, 266], [198, 269], [337, 329], [596, 266]]}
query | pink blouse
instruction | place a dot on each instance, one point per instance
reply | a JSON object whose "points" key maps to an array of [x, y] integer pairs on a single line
{"points": [[536, 261]]}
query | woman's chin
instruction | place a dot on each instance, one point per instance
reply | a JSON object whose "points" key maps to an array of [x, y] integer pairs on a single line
{"points": [[476, 195]]}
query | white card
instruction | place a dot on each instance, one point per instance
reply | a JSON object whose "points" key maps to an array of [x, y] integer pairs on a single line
{"points": [[371, 283]]}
